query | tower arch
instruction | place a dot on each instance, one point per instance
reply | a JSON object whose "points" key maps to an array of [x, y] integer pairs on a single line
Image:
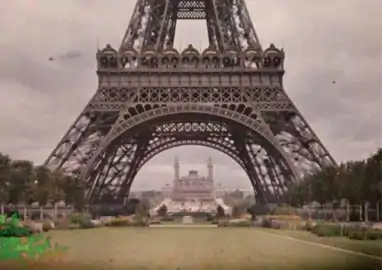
{"points": [[152, 136]]}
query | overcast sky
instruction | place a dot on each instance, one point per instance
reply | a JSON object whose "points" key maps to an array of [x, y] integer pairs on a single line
{"points": [[324, 40]]}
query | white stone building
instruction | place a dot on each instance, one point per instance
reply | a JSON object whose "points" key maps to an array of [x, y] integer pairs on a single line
{"points": [[193, 192]]}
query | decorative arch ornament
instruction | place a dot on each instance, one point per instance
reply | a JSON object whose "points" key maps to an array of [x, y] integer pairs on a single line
{"points": [[173, 143]]}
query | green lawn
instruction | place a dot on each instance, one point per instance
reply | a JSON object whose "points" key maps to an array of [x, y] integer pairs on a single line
{"points": [[196, 248]]}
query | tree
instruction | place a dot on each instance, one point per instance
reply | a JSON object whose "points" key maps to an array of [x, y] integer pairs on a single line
{"points": [[56, 189], [356, 184], [258, 209], [359, 182], [331, 179], [379, 202], [42, 188], [141, 211], [220, 211], [5, 180], [237, 194], [131, 206], [238, 210], [74, 192], [373, 177], [162, 211], [318, 188], [252, 211], [22, 184], [297, 193]]}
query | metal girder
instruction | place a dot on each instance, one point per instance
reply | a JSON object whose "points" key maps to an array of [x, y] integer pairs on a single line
{"points": [[153, 23], [151, 97]]}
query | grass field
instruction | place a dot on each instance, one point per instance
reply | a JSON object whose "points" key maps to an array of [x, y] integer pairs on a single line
{"points": [[198, 248]]}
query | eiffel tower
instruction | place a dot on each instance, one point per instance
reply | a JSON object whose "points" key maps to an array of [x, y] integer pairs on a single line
{"points": [[152, 97]]}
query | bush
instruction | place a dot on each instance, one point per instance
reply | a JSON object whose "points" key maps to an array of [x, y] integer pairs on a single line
{"points": [[162, 211], [124, 222], [356, 234], [275, 224], [10, 213], [108, 210], [120, 222], [284, 217], [47, 225], [220, 211], [222, 223], [215, 222], [228, 223], [16, 232], [284, 210], [328, 230], [258, 209], [279, 224], [354, 215], [244, 223], [97, 223], [364, 234], [373, 234], [140, 223], [309, 225], [167, 218], [62, 224], [73, 226], [86, 224], [266, 222], [210, 218], [155, 221], [257, 223], [80, 221], [12, 227], [300, 227], [35, 227], [77, 218]]}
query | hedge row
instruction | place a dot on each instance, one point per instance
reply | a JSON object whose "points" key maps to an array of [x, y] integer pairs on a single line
{"points": [[351, 231], [125, 222], [357, 232], [239, 223], [275, 222]]}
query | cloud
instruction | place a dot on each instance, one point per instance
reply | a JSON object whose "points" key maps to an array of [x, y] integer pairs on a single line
{"points": [[325, 41]]}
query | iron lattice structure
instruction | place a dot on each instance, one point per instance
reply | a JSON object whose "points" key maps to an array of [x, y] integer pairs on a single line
{"points": [[152, 97]]}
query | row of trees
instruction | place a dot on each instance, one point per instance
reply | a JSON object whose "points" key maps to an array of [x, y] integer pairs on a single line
{"points": [[23, 183], [355, 183]]}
